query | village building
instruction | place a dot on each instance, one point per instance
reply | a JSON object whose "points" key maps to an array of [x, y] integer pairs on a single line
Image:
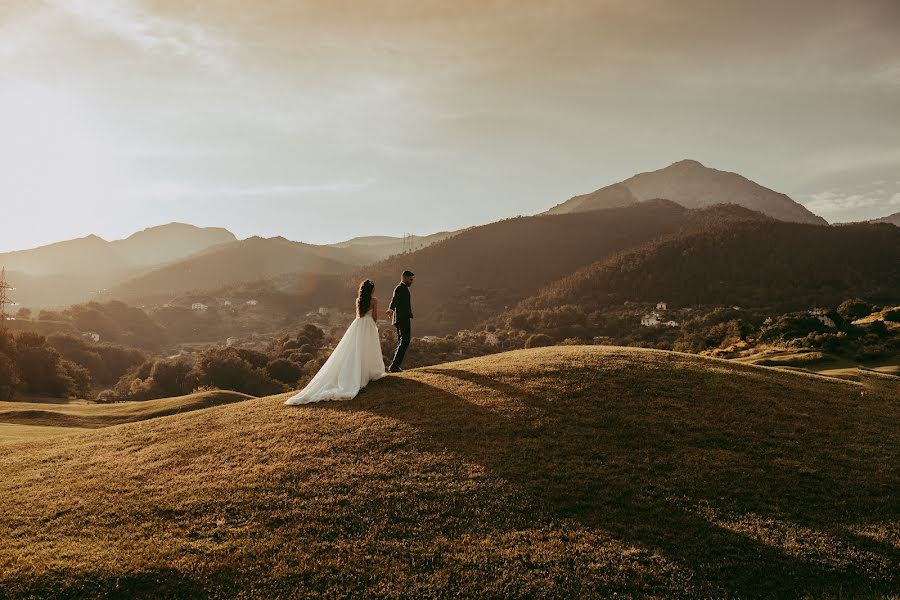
{"points": [[662, 306], [650, 320], [251, 302], [199, 306], [91, 335]]}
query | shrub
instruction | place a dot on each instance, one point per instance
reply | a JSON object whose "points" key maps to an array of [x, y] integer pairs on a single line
{"points": [[284, 370], [854, 308], [538, 340]]}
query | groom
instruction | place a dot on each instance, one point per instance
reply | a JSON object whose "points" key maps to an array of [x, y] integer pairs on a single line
{"points": [[401, 315]]}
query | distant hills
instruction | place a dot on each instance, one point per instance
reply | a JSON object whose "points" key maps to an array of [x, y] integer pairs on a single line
{"points": [[252, 259], [466, 276], [893, 219], [76, 270], [158, 245], [483, 270], [692, 185], [750, 263], [369, 249], [160, 262]]}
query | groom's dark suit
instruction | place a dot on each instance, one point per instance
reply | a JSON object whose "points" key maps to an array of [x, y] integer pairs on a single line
{"points": [[401, 304]]}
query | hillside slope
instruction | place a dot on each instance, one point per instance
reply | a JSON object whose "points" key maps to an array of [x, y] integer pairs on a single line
{"points": [[893, 219], [580, 472], [76, 270], [692, 185], [481, 271], [90, 416], [246, 260], [761, 263]]}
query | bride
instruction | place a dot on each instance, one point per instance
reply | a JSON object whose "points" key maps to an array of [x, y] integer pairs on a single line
{"points": [[354, 362]]}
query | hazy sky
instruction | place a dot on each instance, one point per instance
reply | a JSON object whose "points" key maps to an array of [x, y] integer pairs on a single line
{"points": [[322, 120]]}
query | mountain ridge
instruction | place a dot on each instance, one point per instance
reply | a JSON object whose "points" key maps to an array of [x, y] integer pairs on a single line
{"points": [[693, 185]]}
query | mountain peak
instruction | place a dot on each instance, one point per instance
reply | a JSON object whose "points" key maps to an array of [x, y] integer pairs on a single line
{"points": [[688, 163], [693, 185]]}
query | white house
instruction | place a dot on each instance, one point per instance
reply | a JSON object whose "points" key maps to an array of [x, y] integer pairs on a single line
{"points": [[429, 338], [491, 339], [671, 324], [662, 306], [651, 320], [323, 310], [198, 306], [231, 341], [251, 302], [91, 335], [226, 303]]}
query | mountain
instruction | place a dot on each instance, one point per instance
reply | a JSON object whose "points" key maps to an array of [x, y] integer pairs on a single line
{"points": [[751, 263], [692, 185], [570, 472], [893, 219], [86, 256], [481, 271], [370, 249], [77, 270], [165, 243], [224, 265]]}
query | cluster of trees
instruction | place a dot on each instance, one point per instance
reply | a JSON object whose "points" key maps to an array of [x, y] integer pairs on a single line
{"points": [[287, 364], [115, 322], [59, 366], [747, 263]]}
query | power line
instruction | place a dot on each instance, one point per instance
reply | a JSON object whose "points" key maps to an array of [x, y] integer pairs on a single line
{"points": [[4, 297]]}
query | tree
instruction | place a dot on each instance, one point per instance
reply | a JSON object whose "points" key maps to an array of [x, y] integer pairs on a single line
{"points": [[23, 314], [854, 308], [224, 368], [284, 370], [9, 377]]}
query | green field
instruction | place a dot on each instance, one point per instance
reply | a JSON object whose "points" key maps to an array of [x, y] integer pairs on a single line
{"points": [[566, 471]]}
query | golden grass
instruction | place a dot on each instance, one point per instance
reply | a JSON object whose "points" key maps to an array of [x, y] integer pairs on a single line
{"points": [[10, 433], [104, 415], [567, 471]]}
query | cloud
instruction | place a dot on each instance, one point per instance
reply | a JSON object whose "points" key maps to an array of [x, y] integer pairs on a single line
{"points": [[152, 33], [181, 191], [838, 206]]}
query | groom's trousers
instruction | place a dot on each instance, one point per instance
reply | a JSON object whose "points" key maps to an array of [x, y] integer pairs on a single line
{"points": [[404, 334]]}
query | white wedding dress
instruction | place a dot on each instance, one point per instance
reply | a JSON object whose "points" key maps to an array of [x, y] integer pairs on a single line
{"points": [[354, 362]]}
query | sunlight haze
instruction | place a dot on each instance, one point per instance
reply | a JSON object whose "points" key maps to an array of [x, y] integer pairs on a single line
{"points": [[322, 121]]}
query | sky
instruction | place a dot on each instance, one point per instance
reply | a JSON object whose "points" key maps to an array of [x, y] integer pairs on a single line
{"points": [[324, 120]]}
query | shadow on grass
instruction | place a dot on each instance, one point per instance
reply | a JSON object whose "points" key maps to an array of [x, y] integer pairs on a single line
{"points": [[593, 461]]}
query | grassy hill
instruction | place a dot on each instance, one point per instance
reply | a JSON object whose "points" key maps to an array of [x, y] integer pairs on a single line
{"points": [[578, 471], [89, 416]]}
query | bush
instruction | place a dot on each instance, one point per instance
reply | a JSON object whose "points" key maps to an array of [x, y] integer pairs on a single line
{"points": [[892, 315], [854, 309], [224, 368], [538, 340], [284, 370]]}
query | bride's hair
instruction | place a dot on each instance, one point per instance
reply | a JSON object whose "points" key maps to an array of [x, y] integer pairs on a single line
{"points": [[364, 300]]}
